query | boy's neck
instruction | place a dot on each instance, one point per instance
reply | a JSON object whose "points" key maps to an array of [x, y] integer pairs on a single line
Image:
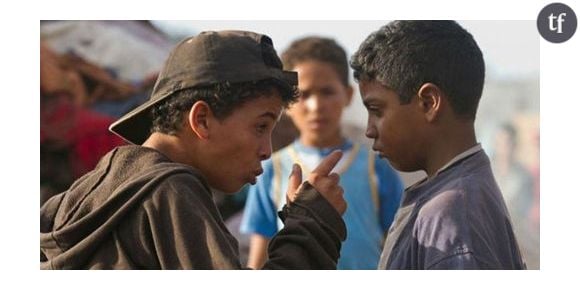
{"points": [[448, 145], [334, 141], [169, 146]]}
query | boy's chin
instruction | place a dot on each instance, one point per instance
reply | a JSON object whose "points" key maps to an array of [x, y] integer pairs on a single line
{"points": [[230, 188]]}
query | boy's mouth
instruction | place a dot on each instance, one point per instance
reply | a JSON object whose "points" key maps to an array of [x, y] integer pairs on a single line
{"points": [[253, 178], [258, 172], [379, 152], [317, 123]]}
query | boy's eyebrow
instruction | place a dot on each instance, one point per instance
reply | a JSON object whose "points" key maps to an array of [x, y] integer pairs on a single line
{"points": [[369, 99], [269, 114]]}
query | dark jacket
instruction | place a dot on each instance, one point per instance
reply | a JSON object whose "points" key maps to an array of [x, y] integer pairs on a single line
{"points": [[139, 210]]}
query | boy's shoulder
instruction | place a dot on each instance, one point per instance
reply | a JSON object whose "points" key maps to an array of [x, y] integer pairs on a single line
{"points": [[442, 219], [444, 203], [459, 198], [463, 185], [466, 213], [451, 195]]}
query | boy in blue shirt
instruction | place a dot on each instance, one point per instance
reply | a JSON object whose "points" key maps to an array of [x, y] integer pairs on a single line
{"points": [[372, 188]]}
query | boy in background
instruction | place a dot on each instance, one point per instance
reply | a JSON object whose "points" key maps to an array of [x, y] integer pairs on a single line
{"points": [[372, 188]]}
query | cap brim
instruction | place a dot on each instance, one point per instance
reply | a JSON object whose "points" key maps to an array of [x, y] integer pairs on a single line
{"points": [[135, 126], [290, 77], [289, 80]]}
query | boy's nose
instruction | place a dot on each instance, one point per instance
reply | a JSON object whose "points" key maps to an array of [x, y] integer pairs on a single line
{"points": [[312, 103], [266, 150], [370, 132]]}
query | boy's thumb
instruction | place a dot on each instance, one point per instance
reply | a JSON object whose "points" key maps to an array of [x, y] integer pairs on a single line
{"points": [[294, 182]]}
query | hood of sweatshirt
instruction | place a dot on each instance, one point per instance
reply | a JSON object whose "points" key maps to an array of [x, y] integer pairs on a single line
{"points": [[75, 222]]}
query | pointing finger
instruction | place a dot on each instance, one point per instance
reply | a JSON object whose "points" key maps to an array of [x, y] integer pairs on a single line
{"points": [[328, 163]]}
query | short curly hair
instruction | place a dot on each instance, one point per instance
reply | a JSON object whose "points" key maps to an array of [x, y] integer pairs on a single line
{"points": [[222, 98], [320, 49], [403, 55]]}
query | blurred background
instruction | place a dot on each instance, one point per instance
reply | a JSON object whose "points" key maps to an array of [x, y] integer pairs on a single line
{"points": [[92, 72]]}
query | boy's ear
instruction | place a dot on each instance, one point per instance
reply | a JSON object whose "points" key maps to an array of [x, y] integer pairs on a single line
{"points": [[199, 119], [349, 93], [430, 97]]}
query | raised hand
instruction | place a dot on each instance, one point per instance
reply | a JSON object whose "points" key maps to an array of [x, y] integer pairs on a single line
{"points": [[322, 180]]}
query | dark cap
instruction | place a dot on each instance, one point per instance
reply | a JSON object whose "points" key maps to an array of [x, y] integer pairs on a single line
{"points": [[209, 58]]}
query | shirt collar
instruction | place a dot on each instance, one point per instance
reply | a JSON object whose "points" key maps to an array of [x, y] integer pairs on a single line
{"points": [[476, 148], [460, 156]]}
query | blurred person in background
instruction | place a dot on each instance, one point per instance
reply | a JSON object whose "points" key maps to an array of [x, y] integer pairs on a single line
{"points": [[517, 185], [72, 137], [91, 73], [372, 188]]}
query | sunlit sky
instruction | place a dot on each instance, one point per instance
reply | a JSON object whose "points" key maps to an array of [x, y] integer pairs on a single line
{"points": [[511, 48]]}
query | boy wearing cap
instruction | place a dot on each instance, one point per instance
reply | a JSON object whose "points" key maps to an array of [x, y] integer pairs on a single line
{"points": [[207, 125], [372, 188], [421, 82]]}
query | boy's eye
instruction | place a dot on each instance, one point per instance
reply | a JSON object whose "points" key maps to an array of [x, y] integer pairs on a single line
{"points": [[262, 128], [374, 110], [327, 92]]}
